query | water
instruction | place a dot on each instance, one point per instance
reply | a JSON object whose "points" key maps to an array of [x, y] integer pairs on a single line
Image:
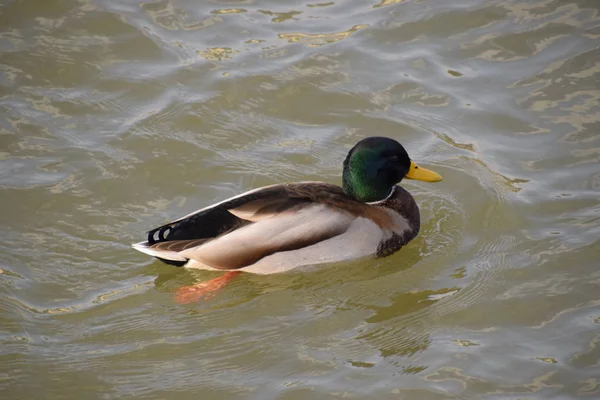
{"points": [[119, 115]]}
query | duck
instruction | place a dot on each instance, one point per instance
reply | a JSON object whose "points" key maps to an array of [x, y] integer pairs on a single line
{"points": [[284, 226]]}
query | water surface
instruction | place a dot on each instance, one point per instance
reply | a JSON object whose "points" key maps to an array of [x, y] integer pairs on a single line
{"points": [[120, 115]]}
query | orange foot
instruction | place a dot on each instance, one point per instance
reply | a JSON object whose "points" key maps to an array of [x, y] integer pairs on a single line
{"points": [[203, 290]]}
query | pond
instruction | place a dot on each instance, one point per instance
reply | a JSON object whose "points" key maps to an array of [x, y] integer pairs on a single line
{"points": [[118, 116]]}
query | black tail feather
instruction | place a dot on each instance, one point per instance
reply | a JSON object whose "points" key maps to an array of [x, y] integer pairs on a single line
{"points": [[172, 262]]}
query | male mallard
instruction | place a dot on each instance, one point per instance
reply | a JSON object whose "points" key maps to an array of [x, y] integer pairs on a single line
{"points": [[280, 227]]}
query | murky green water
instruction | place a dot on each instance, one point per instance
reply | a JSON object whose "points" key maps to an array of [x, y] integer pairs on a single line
{"points": [[120, 115]]}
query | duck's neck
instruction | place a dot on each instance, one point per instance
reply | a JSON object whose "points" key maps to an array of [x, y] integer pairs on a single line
{"points": [[363, 184]]}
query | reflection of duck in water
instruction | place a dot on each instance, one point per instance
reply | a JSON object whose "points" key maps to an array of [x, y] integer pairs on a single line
{"points": [[277, 228]]}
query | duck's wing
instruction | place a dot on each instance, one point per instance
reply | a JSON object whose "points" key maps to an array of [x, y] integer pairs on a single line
{"points": [[241, 230], [216, 219]]}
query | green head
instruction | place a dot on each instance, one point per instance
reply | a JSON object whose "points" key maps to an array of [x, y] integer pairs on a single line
{"points": [[375, 164]]}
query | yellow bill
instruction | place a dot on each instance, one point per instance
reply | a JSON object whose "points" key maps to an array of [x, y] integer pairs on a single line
{"points": [[422, 174]]}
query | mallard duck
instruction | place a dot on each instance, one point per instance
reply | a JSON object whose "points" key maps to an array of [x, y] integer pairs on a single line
{"points": [[279, 227]]}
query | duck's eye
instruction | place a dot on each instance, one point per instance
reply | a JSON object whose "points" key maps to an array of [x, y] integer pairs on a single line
{"points": [[395, 158]]}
